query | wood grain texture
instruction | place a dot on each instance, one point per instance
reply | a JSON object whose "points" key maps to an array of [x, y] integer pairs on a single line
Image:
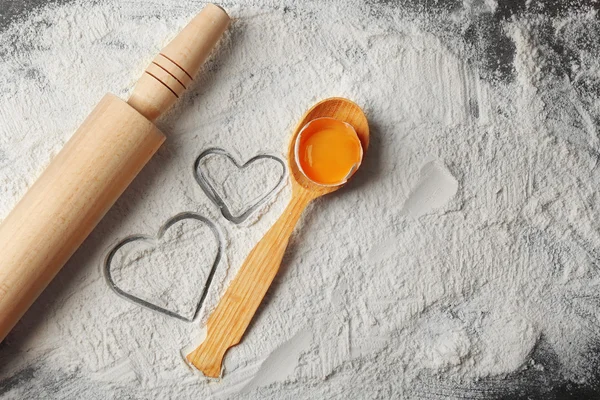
{"points": [[68, 200], [229, 321]]}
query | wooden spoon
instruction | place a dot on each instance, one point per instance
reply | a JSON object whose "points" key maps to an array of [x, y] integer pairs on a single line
{"points": [[229, 321]]}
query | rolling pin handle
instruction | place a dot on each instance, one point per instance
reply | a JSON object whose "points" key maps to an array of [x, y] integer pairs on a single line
{"points": [[173, 70]]}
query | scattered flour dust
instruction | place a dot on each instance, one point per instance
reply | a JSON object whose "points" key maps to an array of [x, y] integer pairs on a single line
{"points": [[435, 188], [471, 281]]}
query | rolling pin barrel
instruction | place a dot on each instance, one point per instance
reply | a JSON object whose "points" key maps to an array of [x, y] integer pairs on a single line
{"points": [[68, 200], [93, 169]]}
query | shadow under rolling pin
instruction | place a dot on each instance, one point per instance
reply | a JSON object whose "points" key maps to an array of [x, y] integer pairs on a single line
{"points": [[71, 196]]}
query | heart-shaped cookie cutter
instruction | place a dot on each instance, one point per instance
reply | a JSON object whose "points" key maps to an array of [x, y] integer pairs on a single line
{"points": [[147, 238], [210, 191]]}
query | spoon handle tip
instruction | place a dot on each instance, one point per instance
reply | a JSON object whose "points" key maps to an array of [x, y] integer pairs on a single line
{"points": [[228, 322]]}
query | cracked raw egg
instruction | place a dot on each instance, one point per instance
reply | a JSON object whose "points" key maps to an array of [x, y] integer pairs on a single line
{"points": [[328, 151]]}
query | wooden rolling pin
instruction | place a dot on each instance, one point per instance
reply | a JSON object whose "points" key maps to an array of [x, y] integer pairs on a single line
{"points": [[93, 169]]}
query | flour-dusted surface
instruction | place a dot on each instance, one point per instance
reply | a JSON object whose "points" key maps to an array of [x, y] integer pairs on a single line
{"points": [[486, 112]]}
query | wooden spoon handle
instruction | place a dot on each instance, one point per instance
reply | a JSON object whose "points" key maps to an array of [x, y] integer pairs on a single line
{"points": [[233, 314]]}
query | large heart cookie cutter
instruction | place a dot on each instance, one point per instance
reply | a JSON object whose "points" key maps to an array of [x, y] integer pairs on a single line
{"points": [[146, 238], [213, 194]]}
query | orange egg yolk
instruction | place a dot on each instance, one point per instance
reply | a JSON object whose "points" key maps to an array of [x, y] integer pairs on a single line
{"points": [[328, 151]]}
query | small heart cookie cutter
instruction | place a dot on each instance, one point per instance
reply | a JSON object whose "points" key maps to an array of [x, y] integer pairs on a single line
{"points": [[214, 196], [147, 238]]}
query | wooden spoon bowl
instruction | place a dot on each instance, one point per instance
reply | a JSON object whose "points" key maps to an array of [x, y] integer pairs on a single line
{"points": [[227, 324], [334, 107]]}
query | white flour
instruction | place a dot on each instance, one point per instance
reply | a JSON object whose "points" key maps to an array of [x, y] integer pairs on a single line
{"points": [[378, 296]]}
